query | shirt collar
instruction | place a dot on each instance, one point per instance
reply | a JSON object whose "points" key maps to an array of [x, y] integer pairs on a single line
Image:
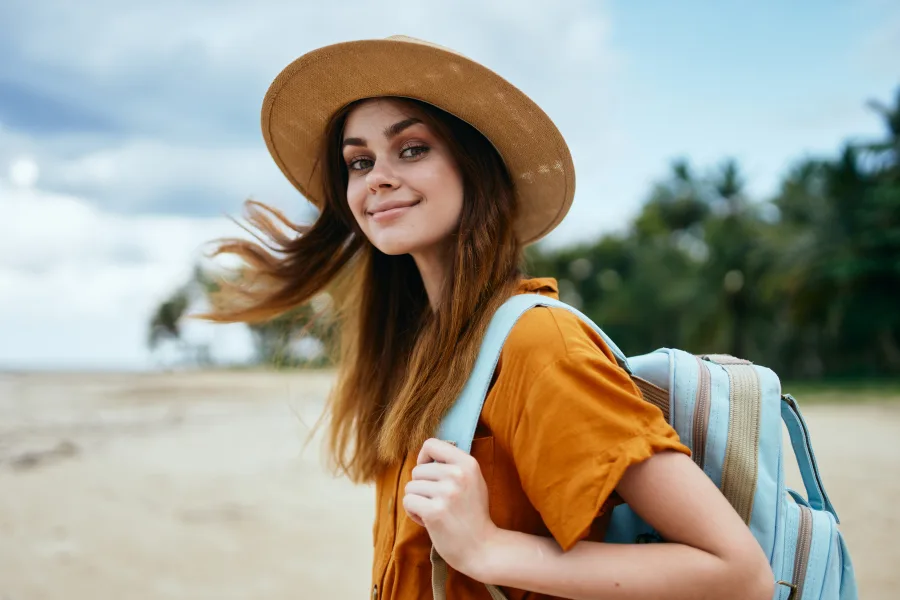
{"points": [[545, 286]]}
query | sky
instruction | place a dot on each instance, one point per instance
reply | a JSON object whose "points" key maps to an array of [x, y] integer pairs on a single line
{"points": [[129, 132]]}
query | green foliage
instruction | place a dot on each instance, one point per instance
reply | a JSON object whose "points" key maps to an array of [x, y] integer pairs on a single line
{"points": [[166, 321], [807, 282], [276, 341], [305, 336]]}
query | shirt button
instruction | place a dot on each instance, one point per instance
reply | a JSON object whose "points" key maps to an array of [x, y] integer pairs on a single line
{"points": [[375, 592]]}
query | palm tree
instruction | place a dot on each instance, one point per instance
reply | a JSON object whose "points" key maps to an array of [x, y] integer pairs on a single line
{"points": [[166, 321], [842, 222], [275, 341], [886, 153]]}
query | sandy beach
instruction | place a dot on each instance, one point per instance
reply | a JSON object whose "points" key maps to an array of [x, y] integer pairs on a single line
{"points": [[199, 486]]}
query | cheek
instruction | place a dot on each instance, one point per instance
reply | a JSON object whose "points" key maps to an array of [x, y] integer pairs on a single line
{"points": [[458, 192], [445, 183], [454, 193], [356, 196]]}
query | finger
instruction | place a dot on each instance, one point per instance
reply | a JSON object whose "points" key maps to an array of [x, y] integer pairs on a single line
{"points": [[411, 513], [418, 508], [433, 471], [435, 450], [415, 519], [426, 489]]}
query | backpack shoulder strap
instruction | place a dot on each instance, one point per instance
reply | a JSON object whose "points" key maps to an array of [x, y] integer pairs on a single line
{"points": [[458, 426], [461, 421]]}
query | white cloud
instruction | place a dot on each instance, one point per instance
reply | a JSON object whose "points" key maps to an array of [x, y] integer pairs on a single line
{"points": [[149, 174], [23, 172], [137, 174], [79, 285], [239, 40]]}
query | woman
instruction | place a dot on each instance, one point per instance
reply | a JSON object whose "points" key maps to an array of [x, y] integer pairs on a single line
{"points": [[432, 174]]}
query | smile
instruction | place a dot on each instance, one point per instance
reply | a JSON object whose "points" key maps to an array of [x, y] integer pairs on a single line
{"points": [[391, 210]]}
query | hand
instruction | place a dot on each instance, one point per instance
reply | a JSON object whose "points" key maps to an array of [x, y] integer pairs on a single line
{"points": [[448, 496]]}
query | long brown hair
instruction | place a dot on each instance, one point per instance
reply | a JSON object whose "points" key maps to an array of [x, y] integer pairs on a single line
{"points": [[402, 363]]}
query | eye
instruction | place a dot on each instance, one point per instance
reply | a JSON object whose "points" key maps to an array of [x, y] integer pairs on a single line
{"points": [[360, 164], [415, 151]]}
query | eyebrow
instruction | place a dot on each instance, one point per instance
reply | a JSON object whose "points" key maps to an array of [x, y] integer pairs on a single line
{"points": [[389, 132]]}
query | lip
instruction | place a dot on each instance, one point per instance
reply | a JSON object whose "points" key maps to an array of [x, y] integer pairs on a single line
{"points": [[390, 210]]}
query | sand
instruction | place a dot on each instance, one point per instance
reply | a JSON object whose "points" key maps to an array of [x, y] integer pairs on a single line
{"points": [[198, 486]]}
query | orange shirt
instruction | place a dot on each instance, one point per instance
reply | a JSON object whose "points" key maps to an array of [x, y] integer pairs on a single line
{"points": [[559, 427]]}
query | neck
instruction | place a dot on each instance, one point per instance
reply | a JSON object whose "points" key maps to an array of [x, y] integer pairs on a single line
{"points": [[433, 267]]}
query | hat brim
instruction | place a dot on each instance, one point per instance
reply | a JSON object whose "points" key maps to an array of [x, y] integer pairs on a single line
{"points": [[305, 96]]}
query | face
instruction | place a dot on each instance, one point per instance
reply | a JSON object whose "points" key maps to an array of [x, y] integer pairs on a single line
{"points": [[404, 187]]}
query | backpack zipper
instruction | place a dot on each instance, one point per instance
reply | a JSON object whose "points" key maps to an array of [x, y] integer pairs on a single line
{"points": [[701, 413], [804, 543]]}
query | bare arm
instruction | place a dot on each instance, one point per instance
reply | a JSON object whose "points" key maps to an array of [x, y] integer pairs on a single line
{"points": [[710, 552]]}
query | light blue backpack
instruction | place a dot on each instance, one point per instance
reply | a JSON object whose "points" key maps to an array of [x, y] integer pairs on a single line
{"points": [[729, 413]]}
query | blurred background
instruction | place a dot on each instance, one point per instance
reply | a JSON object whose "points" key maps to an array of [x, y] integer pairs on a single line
{"points": [[738, 191]]}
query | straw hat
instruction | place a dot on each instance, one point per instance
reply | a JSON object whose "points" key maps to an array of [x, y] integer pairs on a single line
{"points": [[308, 92]]}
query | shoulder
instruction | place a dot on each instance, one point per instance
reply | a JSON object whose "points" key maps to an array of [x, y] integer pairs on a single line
{"points": [[545, 335]]}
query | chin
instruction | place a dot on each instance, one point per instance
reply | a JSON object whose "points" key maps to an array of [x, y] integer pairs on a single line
{"points": [[400, 245], [394, 249], [394, 246]]}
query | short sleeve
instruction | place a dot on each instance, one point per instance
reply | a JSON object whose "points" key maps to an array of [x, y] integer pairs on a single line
{"points": [[582, 423]]}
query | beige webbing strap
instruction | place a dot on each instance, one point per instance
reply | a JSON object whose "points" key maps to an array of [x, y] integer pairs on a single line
{"points": [[653, 394], [725, 359], [439, 579], [739, 472]]}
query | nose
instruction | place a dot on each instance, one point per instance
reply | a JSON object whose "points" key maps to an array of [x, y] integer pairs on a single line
{"points": [[381, 178]]}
